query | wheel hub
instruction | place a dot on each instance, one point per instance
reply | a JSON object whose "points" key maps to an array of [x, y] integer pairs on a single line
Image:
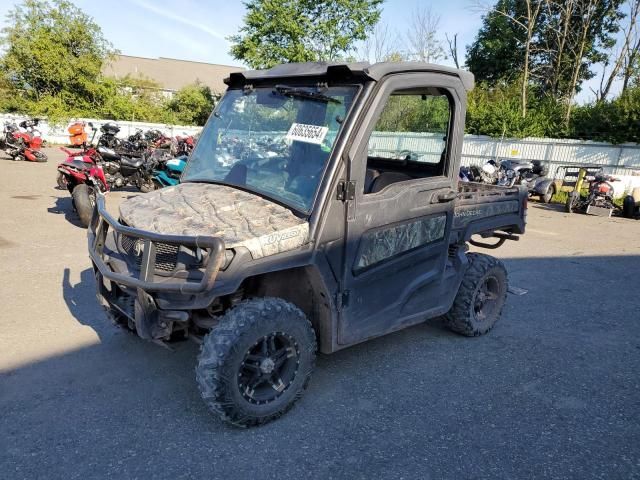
{"points": [[486, 298], [267, 365]]}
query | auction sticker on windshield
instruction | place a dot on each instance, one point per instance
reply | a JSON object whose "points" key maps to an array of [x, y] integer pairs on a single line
{"points": [[301, 132]]}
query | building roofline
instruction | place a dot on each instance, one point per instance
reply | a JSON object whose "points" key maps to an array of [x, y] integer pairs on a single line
{"points": [[180, 60]]}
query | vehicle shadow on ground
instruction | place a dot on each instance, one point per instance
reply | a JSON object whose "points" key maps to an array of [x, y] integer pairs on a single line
{"points": [[64, 206], [77, 296], [559, 207], [419, 393], [556, 207]]}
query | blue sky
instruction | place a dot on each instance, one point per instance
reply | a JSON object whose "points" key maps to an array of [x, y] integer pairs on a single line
{"points": [[197, 30]]}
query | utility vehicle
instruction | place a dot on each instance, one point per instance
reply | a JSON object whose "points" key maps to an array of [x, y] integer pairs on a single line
{"points": [[267, 253]]}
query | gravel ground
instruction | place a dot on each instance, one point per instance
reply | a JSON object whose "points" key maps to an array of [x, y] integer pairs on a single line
{"points": [[552, 392]]}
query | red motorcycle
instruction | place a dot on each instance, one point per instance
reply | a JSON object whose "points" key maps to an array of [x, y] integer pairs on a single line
{"points": [[24, 144], [598, 199], [182, 146], [82, 174]]}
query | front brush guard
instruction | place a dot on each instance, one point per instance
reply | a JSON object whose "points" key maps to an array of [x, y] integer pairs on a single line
{"points": [[102, 221]]}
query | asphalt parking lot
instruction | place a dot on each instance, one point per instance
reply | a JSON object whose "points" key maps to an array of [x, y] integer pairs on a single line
{"points": [[552, 392]]}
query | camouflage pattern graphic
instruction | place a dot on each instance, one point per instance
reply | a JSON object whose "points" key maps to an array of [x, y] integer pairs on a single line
{"points": [[464, 214], [239, 218], [379, 245]]}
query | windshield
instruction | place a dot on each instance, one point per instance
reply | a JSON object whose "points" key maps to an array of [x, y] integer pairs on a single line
{"points": [[272, 140]]}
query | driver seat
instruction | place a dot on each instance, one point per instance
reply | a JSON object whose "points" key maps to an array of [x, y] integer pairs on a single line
{"points": [[387, 178]]}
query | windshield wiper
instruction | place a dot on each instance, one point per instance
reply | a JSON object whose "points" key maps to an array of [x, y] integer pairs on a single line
{"points": [[301, 93]]}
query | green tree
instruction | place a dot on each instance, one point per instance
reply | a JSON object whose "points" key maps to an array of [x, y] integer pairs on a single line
{"points": [[551, 44], [281, 31], [53, 54], [133, 99], [192, 104], [615, 121], [495, 111], [497, 54]]}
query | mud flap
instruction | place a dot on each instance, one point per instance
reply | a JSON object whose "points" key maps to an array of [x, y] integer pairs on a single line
{"points": [[148, 325]]}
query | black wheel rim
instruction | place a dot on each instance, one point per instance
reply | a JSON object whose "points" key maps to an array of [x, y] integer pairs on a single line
{"points": [[486, 299], [268, 368]]}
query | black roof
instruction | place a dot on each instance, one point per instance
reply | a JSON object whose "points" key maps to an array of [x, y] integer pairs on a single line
{"points": [[363, 70]]}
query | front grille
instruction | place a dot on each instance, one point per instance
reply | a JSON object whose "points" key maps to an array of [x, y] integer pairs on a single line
{"points": [[166, 253], [166, 257]]}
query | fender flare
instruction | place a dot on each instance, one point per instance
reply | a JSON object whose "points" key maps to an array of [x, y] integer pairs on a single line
{"points": [[542, 185]]}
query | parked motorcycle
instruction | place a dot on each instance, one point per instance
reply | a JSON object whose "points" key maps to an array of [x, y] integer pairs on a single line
{"points": [[182, 146], [122, 170], [532, 175], [598, 200], [510, 172], [168, 172], [23, 141], [83, 176], [134, 146]]}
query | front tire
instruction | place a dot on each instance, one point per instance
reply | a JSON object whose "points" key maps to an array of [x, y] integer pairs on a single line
{"points": [[84, 200], [40, 156], [570, 204], [61, 180], [146, 186], [481, 297], [256, 363]]}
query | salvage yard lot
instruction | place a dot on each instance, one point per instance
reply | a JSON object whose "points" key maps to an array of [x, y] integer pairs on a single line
{"points": [[553, 391]]}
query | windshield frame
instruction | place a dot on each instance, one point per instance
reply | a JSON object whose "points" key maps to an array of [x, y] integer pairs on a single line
{"points": [[292, 82]]}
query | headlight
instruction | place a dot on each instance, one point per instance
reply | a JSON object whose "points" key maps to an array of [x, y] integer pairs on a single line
{"points": [[202, 257]]}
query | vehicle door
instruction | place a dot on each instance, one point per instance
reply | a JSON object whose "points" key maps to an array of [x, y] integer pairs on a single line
{"points": [[404, 181]]}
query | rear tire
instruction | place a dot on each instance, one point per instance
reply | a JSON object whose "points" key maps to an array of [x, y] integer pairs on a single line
{"points": [[481, 297], [548, 195], [19, 158], [84, 201], [628, 207], [256, 363]]}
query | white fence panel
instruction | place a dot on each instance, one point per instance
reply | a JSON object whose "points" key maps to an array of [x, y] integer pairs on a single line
{"points": [[58, 133], [620, 160]]}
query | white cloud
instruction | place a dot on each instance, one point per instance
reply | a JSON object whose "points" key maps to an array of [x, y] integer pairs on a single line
{"points": [[184, 20]]}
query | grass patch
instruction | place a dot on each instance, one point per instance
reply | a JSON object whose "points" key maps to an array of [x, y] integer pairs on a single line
{"points": [[560, 197]]}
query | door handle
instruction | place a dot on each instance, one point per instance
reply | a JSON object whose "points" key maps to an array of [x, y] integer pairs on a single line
{"points": [[447, 196]]}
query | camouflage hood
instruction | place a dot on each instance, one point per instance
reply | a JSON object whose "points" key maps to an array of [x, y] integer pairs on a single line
{"points": [[239, 218]]}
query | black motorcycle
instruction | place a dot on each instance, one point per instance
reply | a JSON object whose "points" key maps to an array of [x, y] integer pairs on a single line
{"points": [[122, 170], [134, 146]]}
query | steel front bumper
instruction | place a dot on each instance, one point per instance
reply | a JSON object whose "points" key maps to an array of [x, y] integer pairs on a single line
{"points": [[142, 273]]}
